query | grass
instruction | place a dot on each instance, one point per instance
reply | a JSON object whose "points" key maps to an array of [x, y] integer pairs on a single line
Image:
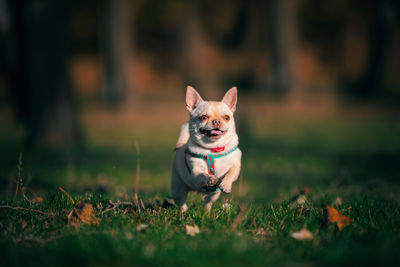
{"points": [[38, 239], [351, 159]]}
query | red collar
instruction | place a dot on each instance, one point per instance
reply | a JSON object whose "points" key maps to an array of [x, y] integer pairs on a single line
{"points": [[218, 149]]}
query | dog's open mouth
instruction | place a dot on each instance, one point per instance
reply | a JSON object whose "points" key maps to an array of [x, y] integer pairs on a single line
{"points": [[213, 133]]}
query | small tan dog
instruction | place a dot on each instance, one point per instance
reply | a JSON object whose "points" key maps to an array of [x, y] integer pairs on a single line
{"points": [[207, 158]]}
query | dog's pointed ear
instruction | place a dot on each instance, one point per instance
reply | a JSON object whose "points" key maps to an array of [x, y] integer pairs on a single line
{"points": [[230, 98], [193, 99]]}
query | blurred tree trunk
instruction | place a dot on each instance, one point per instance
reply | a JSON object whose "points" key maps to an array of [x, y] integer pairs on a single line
{"points": [[115, 32], [190, 39], [381, 31], [38, 71], [282, 24], [194, 43]]}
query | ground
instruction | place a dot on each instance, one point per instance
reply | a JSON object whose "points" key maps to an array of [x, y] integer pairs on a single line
{"points": [[346, 158]]}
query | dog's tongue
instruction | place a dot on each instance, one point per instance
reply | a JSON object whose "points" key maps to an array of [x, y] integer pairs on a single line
{"points": [[215, 132]]}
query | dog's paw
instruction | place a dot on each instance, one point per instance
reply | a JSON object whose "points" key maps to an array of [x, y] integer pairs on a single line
{"points": [[207, 180], [212, 180], [226, 187]]}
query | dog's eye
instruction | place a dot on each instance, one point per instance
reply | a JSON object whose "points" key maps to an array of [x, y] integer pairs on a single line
{"points": [[203, 117], [227, 118]]}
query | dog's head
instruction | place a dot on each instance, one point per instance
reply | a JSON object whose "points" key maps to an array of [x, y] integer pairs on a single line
{"points": [[211, 123]]}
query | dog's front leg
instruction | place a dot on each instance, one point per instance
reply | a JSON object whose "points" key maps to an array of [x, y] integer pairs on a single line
{"points": [[209, 198], [230, 177]]}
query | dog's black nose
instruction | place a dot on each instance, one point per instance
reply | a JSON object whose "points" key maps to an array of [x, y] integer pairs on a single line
{"points": [[216, 123]]}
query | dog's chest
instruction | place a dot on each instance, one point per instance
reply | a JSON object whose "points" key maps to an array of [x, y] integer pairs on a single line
{"points": [[218, 166], [222, 165]]}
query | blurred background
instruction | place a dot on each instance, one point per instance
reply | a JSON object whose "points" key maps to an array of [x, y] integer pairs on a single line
{"points": [[87, 87]]}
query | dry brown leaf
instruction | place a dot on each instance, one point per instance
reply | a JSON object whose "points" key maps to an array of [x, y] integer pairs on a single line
{"points": [[300, 198], [260, 232], [192, 230], [82, 213], [303, 234], [334, 216], [306, 190], [37, 200], [298, 201]]}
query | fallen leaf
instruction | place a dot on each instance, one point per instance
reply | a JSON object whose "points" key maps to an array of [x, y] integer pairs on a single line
{"points": [[334, 216], [37, 200], [298, 201], [192, 230], [260, 232], [305, 190], [82, 213], [141, 227], [303, 234], [300, 198]]}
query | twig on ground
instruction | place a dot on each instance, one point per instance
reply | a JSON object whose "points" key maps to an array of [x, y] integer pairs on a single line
{"points": [[240, 193], [107, 210], [114, 206], [238, 218], [301, 211], [272, 208], [65, 192], [20, 182], [137, 175], [141, 202], [282, 223], [26, 209], [37, 240]]}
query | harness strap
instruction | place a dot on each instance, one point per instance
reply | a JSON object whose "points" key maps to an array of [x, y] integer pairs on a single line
{"points": [[210, 159]]}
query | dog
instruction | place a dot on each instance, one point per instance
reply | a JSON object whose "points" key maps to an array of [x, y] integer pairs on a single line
{"points": [[207, 158]]}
